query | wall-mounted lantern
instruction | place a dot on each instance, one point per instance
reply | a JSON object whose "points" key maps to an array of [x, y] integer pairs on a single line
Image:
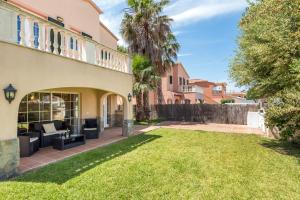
{"points": [[129, 97], [10, 93]]}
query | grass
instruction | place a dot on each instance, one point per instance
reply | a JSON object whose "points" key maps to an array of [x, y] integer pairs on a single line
{"points": [[169, 164]]}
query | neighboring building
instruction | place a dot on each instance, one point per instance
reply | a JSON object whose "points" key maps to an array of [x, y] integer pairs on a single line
{"points": [[176, 88], [240, 98], [213, 92], [63, 62]]}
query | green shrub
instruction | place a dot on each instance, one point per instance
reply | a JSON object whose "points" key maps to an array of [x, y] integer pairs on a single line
{"points": [[283, 112], [225, 101]]}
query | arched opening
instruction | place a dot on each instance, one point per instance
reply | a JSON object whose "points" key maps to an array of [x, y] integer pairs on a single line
{"points": [[114, 111], [46, 116]]}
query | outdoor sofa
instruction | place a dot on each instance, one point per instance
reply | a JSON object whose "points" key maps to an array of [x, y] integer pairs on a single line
{"points": [[56, 128], [29, 143]]}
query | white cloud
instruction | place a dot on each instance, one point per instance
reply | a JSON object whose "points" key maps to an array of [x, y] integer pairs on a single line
{"points": [[184, 12], [202, 10], [184, 54]]}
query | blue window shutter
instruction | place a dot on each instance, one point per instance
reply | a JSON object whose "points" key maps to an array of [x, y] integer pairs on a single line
{"points": [[19, 29], [36, 34]]}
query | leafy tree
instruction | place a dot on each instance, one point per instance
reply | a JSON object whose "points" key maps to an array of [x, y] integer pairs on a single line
{"points": [[268, 58], [284, 114], [148, 32], [145, 81], [122, 49]]}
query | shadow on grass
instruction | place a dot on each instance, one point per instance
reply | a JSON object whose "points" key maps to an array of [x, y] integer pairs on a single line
{"points": [[65, 170], [283, 147]]}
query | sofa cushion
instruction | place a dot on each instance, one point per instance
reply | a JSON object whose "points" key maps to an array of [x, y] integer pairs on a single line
{"points": [[49, 128], [33, 139], [58, 124], [91, 123], [90, 129]]}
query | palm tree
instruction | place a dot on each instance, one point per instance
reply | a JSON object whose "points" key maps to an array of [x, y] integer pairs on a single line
{"points": [[148, 32], [145, 81]]}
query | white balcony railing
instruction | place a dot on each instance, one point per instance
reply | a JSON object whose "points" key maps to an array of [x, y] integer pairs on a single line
{"points": [[25, 29], [191, 88]]}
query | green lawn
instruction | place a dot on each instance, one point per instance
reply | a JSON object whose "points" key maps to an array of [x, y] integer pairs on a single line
{"points": [[169, 164]]}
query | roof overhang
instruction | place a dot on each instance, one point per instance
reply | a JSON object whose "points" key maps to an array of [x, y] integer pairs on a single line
{"points": [[92, 3]]}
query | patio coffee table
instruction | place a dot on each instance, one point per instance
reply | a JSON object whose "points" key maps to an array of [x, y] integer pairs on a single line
{"points": [[66, 142]]}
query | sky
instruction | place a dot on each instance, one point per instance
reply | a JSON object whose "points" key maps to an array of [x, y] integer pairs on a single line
{"points": [[207, 31]]}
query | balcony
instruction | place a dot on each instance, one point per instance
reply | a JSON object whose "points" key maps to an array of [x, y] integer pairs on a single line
{"points": [[28, 30], [191, 89]]}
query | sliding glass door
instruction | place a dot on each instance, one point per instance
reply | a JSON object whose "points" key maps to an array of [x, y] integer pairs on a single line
{"points": [[48, 106]]}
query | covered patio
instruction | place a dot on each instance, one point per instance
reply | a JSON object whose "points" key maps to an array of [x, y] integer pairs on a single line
{"points": [[49, 155]]}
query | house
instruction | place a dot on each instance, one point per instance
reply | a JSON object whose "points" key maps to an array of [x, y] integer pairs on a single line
{"points": [[240, 98], [213, 92], [58, 62], [176, 88]]}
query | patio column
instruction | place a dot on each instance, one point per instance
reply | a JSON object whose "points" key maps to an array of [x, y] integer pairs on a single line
{"points": [[10, 158], [127, 129]]}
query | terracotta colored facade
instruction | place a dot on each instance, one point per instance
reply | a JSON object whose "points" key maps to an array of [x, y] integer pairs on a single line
{"points": [[213, 92], [176, 88]]}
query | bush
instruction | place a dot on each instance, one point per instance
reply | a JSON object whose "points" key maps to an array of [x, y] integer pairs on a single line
{"points": [[225, 101], [283, 113]]}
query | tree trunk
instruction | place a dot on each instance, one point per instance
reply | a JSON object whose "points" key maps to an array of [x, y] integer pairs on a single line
{"points": [[139, 108], [159, 93], [146, 105]]}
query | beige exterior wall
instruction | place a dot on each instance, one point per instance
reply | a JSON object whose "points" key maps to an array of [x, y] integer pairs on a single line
{"points": [[77, 14], [32, 70], [107, 38], [89, 100]]}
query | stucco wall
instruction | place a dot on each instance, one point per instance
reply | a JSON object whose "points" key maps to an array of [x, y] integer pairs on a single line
{"points": [[32, 70], [77, 14], [107, 38]]}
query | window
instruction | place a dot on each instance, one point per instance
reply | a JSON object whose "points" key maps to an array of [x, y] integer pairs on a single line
{"points": [[102, 55], [52, 40], [19, 29], [183, 81], [36, 34], [71, 43], [46, 106], [180, 81], [171, 80], [187, 101], [187, 82]]}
